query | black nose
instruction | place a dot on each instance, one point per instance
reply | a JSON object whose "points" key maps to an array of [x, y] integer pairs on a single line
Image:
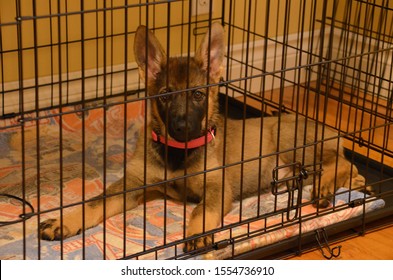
{"points": [[183, 131], [180, 126]]}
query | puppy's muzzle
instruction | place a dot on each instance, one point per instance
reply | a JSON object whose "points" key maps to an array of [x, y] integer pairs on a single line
{"points": [[183, 130]]}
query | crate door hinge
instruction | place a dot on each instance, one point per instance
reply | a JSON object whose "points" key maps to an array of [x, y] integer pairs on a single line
{"points": [[324, 247]]}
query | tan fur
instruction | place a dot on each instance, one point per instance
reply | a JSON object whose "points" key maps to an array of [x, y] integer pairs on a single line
{"points": [[215, 196]]}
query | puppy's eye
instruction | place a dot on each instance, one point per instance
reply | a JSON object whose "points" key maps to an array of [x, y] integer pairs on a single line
{"points": [[164, 97], [198, 95]]}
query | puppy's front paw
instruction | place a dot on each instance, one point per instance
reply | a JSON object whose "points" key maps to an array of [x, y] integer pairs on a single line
{"points": [[321, 203], [198, 243], [194, 229], [51, 230]]}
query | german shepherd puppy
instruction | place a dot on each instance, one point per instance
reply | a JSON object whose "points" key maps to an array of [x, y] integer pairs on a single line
{"points": [[185, 136]]}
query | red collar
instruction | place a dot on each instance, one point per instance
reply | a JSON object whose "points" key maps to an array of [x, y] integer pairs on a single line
{"points": [[195, 143]]}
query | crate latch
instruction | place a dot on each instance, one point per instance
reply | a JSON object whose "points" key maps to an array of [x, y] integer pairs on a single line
{"points": [[222, 244], [324, 247], [291, 185]]}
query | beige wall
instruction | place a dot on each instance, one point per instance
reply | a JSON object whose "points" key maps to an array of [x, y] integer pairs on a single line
{"points": [[48, 36], [366, 19], [276, 14]]}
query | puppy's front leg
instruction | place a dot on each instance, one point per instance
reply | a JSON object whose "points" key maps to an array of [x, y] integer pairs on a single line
{"points": [[208, 213], [72, 222]]}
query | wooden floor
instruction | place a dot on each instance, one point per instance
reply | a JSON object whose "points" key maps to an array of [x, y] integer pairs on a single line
{"points": [[376, 245]]}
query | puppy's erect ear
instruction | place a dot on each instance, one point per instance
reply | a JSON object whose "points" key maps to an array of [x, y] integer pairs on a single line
{"points": [[155, 57], [216, 37]]}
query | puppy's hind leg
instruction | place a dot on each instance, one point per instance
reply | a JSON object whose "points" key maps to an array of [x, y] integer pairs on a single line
{"points": [[358, 182], [72, 223], [334, 175]]}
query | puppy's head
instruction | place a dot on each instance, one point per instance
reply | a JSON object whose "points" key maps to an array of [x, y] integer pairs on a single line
{"points": [[182, 114]]}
